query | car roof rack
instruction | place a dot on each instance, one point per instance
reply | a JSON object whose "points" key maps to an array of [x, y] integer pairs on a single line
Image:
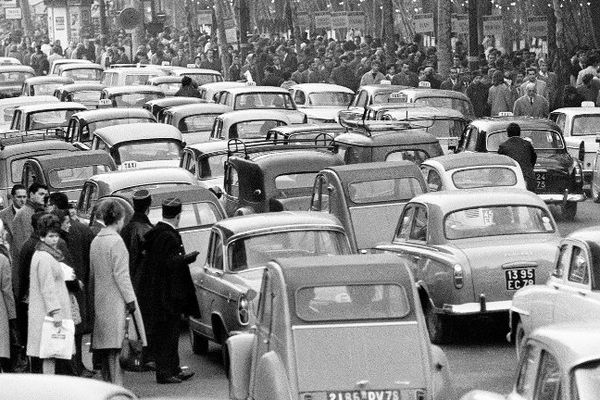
{"points": [[369, 127], [322, 141], [16, 137]]}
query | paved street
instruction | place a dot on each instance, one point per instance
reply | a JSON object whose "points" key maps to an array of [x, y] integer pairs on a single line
{"points": [[481, 359]]}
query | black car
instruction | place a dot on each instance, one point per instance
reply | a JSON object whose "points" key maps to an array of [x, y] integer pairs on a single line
{"points": [[559, 178]]}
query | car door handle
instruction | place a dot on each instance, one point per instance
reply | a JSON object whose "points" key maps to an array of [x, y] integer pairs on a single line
{"points": [[416, 258], [582, 293]]}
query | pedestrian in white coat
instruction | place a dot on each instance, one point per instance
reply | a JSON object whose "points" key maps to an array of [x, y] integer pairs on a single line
{"points": [[8, 312]]}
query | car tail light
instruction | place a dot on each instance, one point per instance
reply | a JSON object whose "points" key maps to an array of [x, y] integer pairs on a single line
{"points": [[577, 173], [458, 276], [243, 314]]}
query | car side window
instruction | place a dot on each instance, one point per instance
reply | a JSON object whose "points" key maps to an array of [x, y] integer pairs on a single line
{"points": [[231, 182], [434, 181], [578, 267], [361, 100], [560, 120], [548, 381], [562, 264], [527, 371], [407, 218], [265, 303], [316, 203], [471, 144], [419, 227], [299, 97], [215, 258]]}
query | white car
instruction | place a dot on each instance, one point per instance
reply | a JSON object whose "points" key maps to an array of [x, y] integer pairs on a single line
{"points": [[211, 91], [321, 101], [129, 76], [571, 294], [247, 124]]}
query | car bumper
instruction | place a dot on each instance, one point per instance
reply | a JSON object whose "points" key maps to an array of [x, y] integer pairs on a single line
{"points": [[483, 307], [556, 198]]}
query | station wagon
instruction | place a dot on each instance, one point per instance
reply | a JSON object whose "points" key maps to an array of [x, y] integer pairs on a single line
{"points": [[247, 124], [195, 121], [341, 327], [470, 253], [131, 96], [44, 85], [321, 101], [12, 78], [87, 94]]}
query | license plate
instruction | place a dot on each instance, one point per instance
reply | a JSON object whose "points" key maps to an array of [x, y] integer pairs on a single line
{"points": [[540, 180], [518, 278], [365, 395]]}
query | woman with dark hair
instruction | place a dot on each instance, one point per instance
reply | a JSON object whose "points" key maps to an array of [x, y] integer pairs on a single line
{"points": [[114, 298], [48, 295]]}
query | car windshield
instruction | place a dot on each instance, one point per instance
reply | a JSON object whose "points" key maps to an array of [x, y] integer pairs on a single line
{"points": [[45, 89], [49, 119], [447, 102], [586, 381], [541, 140], [151, 186], [388, 96], [278, 101], [213, 166], [61, 178], [329, 99], [86, 96], [256, 251], [586, 125], [14, 77], [384, 190], [83, 74], [201, 79], [290, 185], [150, 150], [135, 99], [94, 126], [496, 220], [484, 177], [197, 123], [137, 79], [193, 215], [255, 129], [351, 302]]}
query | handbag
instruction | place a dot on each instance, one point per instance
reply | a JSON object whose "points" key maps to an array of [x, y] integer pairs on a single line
{"points": [[131, 357], [57, 342]]}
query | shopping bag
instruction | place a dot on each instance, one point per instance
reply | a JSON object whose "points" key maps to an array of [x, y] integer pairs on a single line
{"points": [[131, 357], [57, 342]]}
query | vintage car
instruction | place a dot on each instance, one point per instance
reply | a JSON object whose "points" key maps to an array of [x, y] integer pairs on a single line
{"points": [[571, 294], [156, 107], [131, 96], [470, 253], [44, 117], [81, 73], [145, 145], [83, 124], [12, 78], [44, 85], [472, 171], [247, 124], [237, 252], [56, 64], [87, 94], [375, 94], [579, 126], [321, 101], [212, 91], [66, 172], [320, 133], [264, 98], [15, 151], [341, 327], [440, 98], [195, 121], [558, 362], [10, 104], [9, 61], [130, 76], [124, 182], [54, 387], [386, 142], [559, 177], [273, 181], [367, 198], [168, 84], [199, 75]]}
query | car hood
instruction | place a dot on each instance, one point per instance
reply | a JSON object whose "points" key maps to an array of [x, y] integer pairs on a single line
{"points": [[553, 161], [322, 113]]}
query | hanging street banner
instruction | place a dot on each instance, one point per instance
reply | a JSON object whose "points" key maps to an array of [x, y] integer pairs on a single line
{"points": [[492, 25], [230, 30], [356, 20], [423, 23], [13, 13], [339, 20], [9, 4], [303, 19], [460, 24], [322, 20], [537, 26], [204, 17]]}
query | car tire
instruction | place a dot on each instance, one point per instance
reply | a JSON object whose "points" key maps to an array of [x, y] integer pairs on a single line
{"points": [[595, 193], [519, 339], [569, 211], [198, 342], [437, 325]]}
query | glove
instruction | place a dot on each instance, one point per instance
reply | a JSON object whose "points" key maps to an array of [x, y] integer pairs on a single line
{"points": [[130, 307], [191, 257]]}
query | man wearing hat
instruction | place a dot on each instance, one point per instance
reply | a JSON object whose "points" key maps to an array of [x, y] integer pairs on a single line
{"points": [[170, 290]]}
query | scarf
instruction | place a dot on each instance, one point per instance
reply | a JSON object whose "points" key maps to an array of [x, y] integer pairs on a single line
{"points": [[57, 254]]}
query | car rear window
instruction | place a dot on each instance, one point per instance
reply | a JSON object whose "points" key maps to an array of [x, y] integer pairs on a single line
{"points": [[83, 74], [136, 99], [86, 96], [416, 156], [193, 215], [137, 79], [447, 102], [255, 129], [201, 79], [60, 178], [295, 181], [586, 125], [541, 140], [351, 302], [384, 190], [484, 177], [278, 101], [195, 123], [14, 77], [150, 186]]}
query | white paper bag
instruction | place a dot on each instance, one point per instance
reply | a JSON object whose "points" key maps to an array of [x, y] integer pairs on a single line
{"points": [[57, 342]]}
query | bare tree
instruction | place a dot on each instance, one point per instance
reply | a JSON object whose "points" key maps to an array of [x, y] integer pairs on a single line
{"points": [[444, 32], [222, 38], [26, 14], [388, 28]]}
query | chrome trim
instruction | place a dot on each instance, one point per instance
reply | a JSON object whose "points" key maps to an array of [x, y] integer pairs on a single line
{"points": [[284, 228], [356, 325], [475, 308], [559, 198]]}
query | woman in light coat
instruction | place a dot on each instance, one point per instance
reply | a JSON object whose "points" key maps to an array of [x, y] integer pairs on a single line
{"points": [[8, 312], [113, 293], [48, 295]]}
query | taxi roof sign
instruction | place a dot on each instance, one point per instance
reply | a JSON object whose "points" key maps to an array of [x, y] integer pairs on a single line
{"points": [[385, 82], [398, 95], [588, 104], [132, 164], [190, 66], [165, 63], [425, 84], [505, 114]]}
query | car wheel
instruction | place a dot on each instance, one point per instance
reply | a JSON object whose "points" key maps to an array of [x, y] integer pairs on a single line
{"points": [[569, 211], [198, 342], [437, 325], [519, 339], [595, 193]]}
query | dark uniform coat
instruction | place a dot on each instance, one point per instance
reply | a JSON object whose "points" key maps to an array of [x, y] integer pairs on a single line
{"points": [[523, 153], [133, 236]]}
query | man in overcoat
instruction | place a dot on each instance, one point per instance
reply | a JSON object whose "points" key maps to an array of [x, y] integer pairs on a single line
{"points": [[169, 290], [521, 151]]}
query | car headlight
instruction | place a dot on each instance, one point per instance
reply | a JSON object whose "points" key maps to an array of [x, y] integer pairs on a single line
{"points": [[458, 276], [243, 314]]}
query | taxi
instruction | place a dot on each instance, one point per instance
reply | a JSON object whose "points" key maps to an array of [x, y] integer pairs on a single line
{"points": [[82, 125], [9, 61], [195, 121], [168, 84], [129, 76], [369, 95], [247, 124], [157, 106], [131, 96], [470, 254], [45, 117], [87, 94], [237, 251], [12, 78], [44, 85], [440, 98], [321, 101], [57, 64], [338, 327], [81, 73], [198, 75], [212, 91], [559, 176], [10, 104], [145, 145], [265, 99]]}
